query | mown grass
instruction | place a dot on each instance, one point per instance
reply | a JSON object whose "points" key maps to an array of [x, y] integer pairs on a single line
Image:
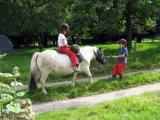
{"points": [[143, 107], [86, 89], [148, 57]]}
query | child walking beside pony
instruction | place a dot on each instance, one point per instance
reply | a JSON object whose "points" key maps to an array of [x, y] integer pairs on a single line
{"points": [[118, 69]]}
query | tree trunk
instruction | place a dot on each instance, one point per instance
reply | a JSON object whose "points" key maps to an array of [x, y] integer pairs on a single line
{"points": [[139, 40], [40, 44], [45, 42], [129, 24]]}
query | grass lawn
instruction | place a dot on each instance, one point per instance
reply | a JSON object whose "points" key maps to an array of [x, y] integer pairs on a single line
{"points": [[143, 107], [148, 57], [87, 89]]}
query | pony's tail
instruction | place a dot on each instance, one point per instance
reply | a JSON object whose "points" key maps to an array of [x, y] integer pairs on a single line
{"points": [[34, 71]]}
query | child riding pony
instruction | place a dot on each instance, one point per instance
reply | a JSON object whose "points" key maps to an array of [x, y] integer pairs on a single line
{"points": [[64, 47]]}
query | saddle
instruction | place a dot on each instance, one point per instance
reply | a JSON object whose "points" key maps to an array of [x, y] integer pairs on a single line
{"points": [[80, 57]]}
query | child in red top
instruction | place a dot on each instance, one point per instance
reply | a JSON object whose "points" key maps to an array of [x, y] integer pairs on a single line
{"points": [[118, 69], [64, 47]]}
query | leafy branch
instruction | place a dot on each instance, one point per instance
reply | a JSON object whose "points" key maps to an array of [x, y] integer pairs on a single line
{"points": [[9, 94]]}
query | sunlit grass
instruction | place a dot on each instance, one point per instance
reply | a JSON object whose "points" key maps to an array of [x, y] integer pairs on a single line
{"points": [[143, 107]]}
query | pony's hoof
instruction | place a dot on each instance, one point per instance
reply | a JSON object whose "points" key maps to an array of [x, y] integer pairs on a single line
{"points": [[73, 84], [44, 92], [91, 81]]}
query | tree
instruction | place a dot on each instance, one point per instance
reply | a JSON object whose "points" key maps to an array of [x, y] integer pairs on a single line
{"points": [[31, 17], [98, 17], [34, 19], [112, 17], [128, 18], [143, 16]]}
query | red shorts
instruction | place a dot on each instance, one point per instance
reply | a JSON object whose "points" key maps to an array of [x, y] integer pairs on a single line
{"points": [[118, 69], [71, 55]]}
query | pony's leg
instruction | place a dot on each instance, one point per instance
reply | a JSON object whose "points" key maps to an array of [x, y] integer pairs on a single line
{"points": [[43, 80], [74, 78], [87, 71]]}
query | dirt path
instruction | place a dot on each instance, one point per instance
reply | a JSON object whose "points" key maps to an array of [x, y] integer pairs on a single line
{"points": [[93, 100], [86, 80]]}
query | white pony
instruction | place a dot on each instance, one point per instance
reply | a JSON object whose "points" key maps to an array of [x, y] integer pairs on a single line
{"points": [[42, 64]]}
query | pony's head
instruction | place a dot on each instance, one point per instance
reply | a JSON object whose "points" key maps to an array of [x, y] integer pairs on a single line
{"points": [[100, 56]]}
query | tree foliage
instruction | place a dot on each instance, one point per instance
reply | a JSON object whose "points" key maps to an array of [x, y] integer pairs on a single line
{"points": [[101, 17], [30, 16], [88, 18], [98, 17]]}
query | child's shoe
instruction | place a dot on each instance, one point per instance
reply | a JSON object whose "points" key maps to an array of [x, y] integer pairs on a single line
{"points": [[121, 77], [113, 77]]}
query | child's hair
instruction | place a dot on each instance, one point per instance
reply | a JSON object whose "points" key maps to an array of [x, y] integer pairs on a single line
{"points": [[64, 27], [123, 42]]}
